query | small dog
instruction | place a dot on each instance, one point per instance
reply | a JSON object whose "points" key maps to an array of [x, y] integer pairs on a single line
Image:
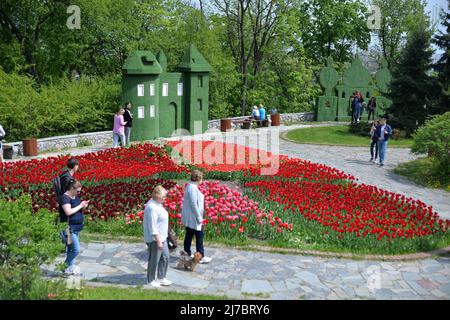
{"points": [[188, 263]]}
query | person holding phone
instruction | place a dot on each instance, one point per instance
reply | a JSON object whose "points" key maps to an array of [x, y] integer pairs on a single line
{"points": [[73, 208]]}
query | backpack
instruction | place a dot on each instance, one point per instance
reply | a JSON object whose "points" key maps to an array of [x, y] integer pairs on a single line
{"points": [[58, 188]]}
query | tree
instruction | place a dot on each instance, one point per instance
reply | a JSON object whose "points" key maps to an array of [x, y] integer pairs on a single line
{"points": [[398, 17], [333, 28], [251, 26], [442, 39], [412, 88], [19, 25]]}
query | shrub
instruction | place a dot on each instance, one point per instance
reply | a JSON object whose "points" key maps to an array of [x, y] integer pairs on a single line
{"points": [[398, 134], [361, 128], [433, 138], [27, 240], [63, 107], [25, 237], [83, 142]]}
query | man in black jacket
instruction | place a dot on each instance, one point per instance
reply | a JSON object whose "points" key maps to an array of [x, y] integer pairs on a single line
{"points": [[128, 118], [65, 177]]}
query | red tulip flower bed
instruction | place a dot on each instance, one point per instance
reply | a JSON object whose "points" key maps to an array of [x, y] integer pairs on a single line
{"points": [[304, 204]]}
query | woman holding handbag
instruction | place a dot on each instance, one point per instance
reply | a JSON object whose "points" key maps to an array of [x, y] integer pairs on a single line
{"points": [[73, 208]]}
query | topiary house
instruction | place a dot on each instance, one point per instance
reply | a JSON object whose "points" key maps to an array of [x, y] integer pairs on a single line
{"points": [[335, 104], [163, 102]]}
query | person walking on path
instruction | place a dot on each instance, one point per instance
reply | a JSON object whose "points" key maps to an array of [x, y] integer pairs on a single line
{"points": [[2, 135], [119, 131], [156, 226], [61, 188], [192, 215], [374, 141], [128, 118], [73, 209], [383, 132], [371, 108]]}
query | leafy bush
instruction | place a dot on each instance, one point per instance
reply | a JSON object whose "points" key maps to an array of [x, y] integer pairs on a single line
{"points": [[83, 142], [63, 107], [27, 240], [398, 134], [361, 128], [25, 237], [23, 283], [433, 138]]}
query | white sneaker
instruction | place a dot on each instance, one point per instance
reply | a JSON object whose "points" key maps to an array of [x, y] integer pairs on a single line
{"points": [[155, 284], [77, 271], [69, 270], [164, 282], [205, 260]]}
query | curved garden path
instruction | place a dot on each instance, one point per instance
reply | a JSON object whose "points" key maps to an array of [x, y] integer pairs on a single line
{"points": [[254, 275]]}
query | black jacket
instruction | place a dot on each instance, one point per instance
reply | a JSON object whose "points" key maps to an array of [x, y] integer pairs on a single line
{"points": [[127, 118]]}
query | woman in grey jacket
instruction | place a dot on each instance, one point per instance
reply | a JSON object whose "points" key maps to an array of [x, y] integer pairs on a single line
{"points": [[192, 215]]}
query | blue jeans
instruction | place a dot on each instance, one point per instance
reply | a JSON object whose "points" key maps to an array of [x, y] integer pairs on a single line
{"points": [[382, 147], [372, 145], [116, 137], [127, 135], [73, 250], [199, 235]]}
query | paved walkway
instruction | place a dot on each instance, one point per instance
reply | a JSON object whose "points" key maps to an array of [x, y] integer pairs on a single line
{"points": [[255, 275]]}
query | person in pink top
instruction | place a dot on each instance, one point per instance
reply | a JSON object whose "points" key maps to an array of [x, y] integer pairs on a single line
{"points": [[119, 128]]}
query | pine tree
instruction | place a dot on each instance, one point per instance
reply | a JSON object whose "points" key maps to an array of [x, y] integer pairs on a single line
{"points": [[442, 40], [412, 88]]}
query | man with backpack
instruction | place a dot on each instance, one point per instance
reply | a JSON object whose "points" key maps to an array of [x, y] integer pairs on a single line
{"points": [[61, 181]]}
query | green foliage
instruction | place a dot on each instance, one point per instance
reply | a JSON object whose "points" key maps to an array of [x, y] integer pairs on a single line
{"points": [[434, 139], [27, 240], [83, 142], [412, 88], [24, 283], [361, 128], [442, 39], [333, 28], [26, 237], [338, 135], [397, 18], [64, 107], [425, 172]]}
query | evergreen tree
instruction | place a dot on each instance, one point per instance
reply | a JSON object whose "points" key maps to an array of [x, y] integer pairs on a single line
{"points": [[412, 88], [442, 40]]}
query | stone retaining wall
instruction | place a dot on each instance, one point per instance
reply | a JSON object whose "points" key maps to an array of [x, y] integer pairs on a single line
{"points": [[105, 137], [285, 117], [63, 142]]}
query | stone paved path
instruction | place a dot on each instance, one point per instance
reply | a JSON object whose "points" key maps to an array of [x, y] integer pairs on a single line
{"points": [[247, 274]]}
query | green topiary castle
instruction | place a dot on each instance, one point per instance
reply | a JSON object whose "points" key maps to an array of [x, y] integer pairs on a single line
{"points": [[335, 104], [163, 102]]}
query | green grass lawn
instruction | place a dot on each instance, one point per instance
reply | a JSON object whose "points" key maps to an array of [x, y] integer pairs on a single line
{"points": [[338, 135], [112, 293], [424, 172]]}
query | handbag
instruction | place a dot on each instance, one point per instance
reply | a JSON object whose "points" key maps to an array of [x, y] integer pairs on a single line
{"points": [[66, 235], [172, 240]]}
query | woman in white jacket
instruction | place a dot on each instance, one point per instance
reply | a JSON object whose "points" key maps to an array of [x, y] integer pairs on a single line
{"points": [[156, 225], [192, 215]]}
